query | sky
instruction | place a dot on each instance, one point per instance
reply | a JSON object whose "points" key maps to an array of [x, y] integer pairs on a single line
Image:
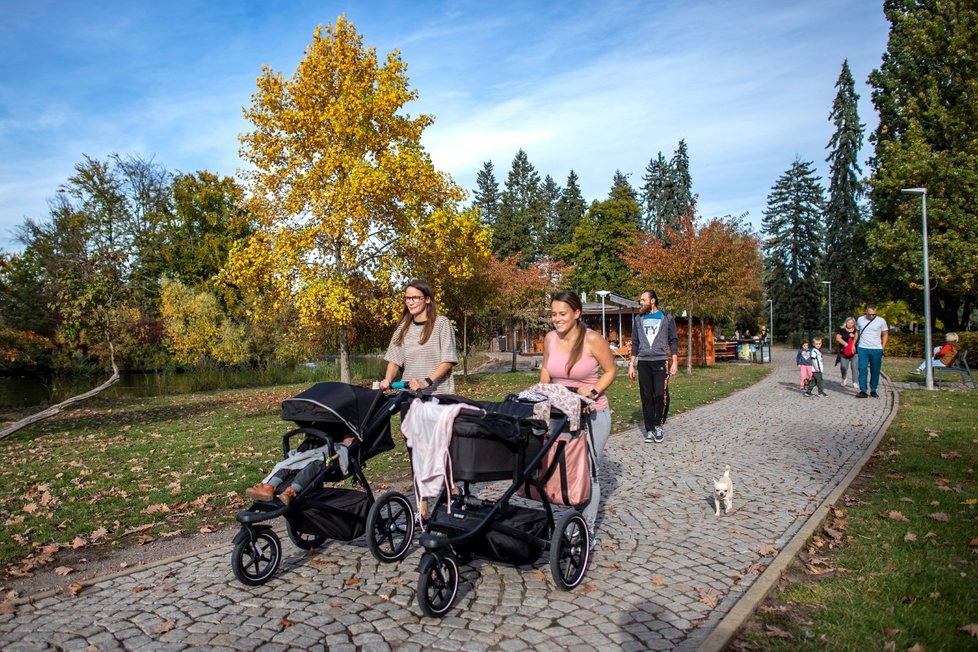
{"points": [[592, 87]]}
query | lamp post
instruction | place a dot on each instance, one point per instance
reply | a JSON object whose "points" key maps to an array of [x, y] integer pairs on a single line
{"points": [[603, 294], [828, 333], [928, 348], [770, 326]]}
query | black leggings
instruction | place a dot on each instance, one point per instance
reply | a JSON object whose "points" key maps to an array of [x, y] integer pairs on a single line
{"points": [[654, 389]]}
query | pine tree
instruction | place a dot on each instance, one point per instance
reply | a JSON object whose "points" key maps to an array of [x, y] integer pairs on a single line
{"points": [[521, 223], [570, 209], [927, 137], [549, 196], [653, 194], [621, 188], [793, 248], [843, 217], [487, 194], [681, 199]]}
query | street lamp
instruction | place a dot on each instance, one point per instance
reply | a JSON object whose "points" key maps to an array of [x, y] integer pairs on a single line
{"points": [[603, 294], [770, 325], [829, 332], [928, 354]]}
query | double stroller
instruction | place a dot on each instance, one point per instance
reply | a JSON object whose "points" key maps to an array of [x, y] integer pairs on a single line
{"points": [[327, 414], [498, 442]]}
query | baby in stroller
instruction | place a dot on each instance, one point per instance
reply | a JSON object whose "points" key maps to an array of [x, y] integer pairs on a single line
{"points": [[301, 468]]}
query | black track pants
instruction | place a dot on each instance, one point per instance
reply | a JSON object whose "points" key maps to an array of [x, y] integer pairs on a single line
{"points": [[654, 390]]}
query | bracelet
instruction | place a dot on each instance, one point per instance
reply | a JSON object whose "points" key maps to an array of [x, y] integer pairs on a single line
{"points": [[429, 381], [630, 363]]}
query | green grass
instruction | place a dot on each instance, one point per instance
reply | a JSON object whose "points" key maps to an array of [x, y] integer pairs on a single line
{"points": [[908, 545], [155, 467]]}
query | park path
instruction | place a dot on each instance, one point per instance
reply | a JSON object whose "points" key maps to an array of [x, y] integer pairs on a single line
{"points": [[668, 574]]}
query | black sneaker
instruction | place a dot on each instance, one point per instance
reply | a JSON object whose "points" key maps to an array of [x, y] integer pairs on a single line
{"points": [[808, 394], [862, 395], [874, 394]]}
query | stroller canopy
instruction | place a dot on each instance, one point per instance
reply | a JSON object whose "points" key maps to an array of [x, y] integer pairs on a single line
{"points": [[350, 405]]}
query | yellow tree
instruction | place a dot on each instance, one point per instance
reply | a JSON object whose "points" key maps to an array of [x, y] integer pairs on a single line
{"points": [[339, 183], [708, 269]]}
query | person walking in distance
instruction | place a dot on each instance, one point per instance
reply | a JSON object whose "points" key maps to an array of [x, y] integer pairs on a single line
{"points": [[654, 342], [873, 336]]}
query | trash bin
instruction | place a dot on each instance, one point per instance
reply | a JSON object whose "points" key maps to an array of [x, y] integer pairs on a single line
{"points": [[502, 343]]}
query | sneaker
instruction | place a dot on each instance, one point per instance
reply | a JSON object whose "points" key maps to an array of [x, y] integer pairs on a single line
{"points": [[874, 394], [808, 393], [862, 395], [823, 394], [917, 372], [287, 496], [649, 437], [592, 542], [262, 491], [658, 435]]}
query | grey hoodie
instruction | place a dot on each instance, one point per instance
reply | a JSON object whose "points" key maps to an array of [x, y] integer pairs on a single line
{"points": [[665, 341]]}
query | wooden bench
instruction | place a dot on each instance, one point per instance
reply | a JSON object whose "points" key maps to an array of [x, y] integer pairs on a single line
{"points": [[725, 351], [960, 367]]}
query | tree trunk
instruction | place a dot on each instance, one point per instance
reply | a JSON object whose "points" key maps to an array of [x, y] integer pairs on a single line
{"points": [[703, 339], [512, 343], [344, 356], [689, 338], [465, 345], [55, 409]]}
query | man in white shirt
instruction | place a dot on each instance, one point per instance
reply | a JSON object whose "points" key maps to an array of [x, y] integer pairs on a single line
{"points": [[873, 335]]}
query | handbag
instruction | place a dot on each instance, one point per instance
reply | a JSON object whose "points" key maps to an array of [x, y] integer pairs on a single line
{"points": [[565, 471], [850, 348]]}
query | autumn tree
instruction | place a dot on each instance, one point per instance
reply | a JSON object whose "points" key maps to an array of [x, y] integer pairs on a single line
{"points": [[708, 270], [197, 328], [340, 184]]}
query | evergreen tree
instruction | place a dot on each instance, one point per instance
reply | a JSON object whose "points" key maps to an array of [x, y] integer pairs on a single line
{"points": [[549, 196], [569, 211], [927, 137], [622, 189], [680, 200], [842, 215], [793, 248], [656, 179], [487, 194], [521, 223]]}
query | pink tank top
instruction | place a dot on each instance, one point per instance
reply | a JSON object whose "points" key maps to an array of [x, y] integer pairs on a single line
{"points": [[584, 373]]}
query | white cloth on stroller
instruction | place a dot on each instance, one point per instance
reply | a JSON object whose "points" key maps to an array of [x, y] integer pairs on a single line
{"points": [[546, 395], [427, 429]]}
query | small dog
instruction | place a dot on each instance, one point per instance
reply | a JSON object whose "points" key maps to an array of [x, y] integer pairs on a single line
{"points": [[723, 491]]}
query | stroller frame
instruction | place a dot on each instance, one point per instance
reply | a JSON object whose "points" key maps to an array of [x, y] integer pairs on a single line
{"points": [[318, 514], [451, 539]]}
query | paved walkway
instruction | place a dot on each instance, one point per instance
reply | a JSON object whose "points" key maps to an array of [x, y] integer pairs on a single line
{"points": [[668, 573]]}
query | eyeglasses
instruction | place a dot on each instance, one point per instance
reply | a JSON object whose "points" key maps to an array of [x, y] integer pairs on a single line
{"points": [[410, 299]]}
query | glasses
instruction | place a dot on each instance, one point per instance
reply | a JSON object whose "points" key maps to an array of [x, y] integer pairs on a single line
{"points": [[410, 299]]}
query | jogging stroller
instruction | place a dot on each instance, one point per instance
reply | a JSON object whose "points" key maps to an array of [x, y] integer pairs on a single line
{"points": [[499, 441], [325, 414]]}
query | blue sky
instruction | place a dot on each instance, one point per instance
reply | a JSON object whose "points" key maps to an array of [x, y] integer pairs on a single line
{"points": [[593, 87]]}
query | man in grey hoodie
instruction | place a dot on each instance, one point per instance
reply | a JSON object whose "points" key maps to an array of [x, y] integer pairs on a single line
{"points": [[654, 340]]}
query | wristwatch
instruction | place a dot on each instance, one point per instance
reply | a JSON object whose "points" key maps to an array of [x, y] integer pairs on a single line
{"points": [[429, 381], [594, 393]]}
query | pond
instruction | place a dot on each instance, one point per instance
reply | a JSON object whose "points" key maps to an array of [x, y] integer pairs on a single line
{"points": [[20, 392]]}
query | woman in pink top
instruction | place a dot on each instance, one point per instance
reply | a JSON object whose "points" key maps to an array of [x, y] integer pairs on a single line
{"points": [[572, 356]]}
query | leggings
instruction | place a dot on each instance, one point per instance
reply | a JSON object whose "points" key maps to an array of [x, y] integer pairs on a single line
{"points": [[600, 431]]}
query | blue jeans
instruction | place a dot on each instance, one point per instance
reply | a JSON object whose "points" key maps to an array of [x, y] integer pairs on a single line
{"points": [[870, 359]]}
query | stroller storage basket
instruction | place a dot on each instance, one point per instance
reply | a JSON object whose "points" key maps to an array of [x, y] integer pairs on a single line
{"points": [[514, 537], [334, 513], [487, 447]]}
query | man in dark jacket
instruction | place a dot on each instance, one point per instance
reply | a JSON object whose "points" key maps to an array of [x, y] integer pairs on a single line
{"points": [[654, 340]]}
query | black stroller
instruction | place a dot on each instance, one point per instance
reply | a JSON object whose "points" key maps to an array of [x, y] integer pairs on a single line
{"points": [[325, 414], [499, 441]]}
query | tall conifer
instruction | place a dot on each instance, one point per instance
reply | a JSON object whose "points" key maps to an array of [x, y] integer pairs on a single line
{"points": [[487, 194], [521, 223], [569, 210]]}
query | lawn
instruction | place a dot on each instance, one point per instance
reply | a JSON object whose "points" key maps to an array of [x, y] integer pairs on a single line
{"points": [[137, 469], [895, 567]]}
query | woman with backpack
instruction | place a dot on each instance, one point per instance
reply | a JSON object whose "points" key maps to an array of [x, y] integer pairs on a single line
{"points": [[846, 336]]}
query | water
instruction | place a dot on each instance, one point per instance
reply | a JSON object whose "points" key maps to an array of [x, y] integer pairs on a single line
{"points": [[29, 392]]}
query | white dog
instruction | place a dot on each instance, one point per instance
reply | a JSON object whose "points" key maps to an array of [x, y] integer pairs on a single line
{"points": [[723, 491]]}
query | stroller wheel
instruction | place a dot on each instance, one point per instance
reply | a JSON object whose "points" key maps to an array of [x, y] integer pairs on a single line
{"points": [[390, 526], [570, 550], [437, 584], [304, 540], [254, 562]]}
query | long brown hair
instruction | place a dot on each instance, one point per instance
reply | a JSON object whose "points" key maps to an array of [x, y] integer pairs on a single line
{"points": [[577, 347], [430, 310]]}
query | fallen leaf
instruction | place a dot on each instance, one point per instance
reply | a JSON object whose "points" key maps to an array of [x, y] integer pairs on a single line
{"points": [[767, 549], [708, 597], [657, 580], [890, 631], [540, 575], [63, 571], [774, 632], [74, 588], [939, 516], [285, 623], [7, 608], [896, 516], [910, 537], [590, 588], [971, 629], [78, 542], [916, 647], [653, 494], [889, 646], [973, 543], [934, 595], [164, 627], [353, 581]]}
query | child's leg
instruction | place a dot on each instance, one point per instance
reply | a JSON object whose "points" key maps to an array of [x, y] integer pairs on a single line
{"points": [[307, 474], [819, 382]]}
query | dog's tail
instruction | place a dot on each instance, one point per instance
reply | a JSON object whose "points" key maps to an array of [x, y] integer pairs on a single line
{"points": [[726, 470]]}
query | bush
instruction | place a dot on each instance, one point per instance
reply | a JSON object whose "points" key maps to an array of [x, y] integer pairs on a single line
{"points": [[911, 345]]}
